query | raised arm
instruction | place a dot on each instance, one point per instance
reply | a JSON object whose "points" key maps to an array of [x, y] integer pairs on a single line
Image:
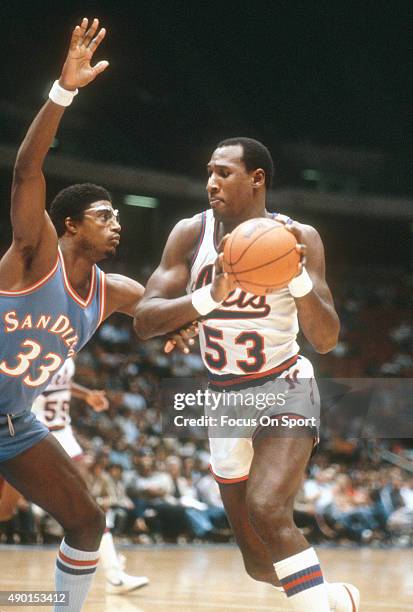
{"points": [[34, 246], [316, 313]]}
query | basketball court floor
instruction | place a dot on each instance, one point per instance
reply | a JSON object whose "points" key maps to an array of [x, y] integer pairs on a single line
{"points": [[212, 579]]}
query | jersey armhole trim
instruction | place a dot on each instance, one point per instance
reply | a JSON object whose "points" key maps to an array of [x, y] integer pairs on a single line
{"points": [[102, 297], [199, 240], [36, 285]]}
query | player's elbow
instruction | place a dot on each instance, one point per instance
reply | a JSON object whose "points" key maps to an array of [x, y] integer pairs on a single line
{"points": [[144, 324], [328, 341], [142, 329], [324, 348]]}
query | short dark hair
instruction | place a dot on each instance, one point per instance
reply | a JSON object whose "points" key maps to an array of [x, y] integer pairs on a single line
{"points": [[73, 201], [255, 155]]}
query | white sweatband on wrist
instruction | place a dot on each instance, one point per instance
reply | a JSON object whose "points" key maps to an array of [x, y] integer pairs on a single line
{"points": [[300, 285], [61, 96], [203, 301]]}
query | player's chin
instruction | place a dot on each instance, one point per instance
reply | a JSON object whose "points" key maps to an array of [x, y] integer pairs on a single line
{"points": [[110, 252], [218, 213]]}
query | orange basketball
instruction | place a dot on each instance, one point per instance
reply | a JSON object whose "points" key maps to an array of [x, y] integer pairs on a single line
{"points": [[261, 255]]}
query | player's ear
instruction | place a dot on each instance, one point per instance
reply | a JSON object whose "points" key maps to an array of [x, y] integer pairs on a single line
{"points": [[258, 178], [71, 225]]}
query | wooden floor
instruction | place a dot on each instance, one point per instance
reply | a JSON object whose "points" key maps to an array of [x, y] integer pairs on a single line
{"points": [[212, 579]]}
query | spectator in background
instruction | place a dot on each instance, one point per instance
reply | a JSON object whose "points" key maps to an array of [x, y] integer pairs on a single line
{"points": [[400, 521], [120, 515], [150, 490]]}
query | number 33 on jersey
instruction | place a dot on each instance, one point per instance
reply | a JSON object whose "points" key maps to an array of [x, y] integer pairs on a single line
{"points": [[40, 327]]}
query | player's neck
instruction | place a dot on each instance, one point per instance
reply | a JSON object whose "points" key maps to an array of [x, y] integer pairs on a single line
{"points": [[78, 265]]}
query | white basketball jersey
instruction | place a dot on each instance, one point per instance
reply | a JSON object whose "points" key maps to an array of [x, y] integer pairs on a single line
{"points": [[52, 406], [248, 334]]}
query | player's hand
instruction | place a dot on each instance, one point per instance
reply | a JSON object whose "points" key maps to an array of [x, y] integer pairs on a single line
{"points": [[223, 283], [77, 71], [97, 400], [296, 230], [183, 339]]}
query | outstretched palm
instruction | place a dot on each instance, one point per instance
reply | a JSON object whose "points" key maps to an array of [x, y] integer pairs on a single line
{"points": [[77, 71]]}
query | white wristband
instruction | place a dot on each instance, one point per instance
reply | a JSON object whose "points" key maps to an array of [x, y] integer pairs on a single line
{"points": [[61, 96], [300, 285], [203, 301]]}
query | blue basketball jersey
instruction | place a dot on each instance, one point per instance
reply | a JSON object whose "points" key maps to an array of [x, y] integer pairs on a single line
{"points": [[40, 327]]}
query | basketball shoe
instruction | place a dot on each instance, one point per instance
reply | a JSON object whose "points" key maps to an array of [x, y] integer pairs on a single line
{"points": [[124, 583], [343, 597]]}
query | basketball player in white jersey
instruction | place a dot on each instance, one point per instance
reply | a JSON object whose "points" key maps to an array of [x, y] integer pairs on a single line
{"points": [[247, 343]]}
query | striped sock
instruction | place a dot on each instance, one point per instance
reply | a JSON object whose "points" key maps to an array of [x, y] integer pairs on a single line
{"points": [[75, 570], [303, 583]]}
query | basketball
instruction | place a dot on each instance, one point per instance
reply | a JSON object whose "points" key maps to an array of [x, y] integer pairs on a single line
{"points": [[262, 256]]}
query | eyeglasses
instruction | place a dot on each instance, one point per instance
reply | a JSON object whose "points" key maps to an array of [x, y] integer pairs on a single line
{"points": [[105, 213]]}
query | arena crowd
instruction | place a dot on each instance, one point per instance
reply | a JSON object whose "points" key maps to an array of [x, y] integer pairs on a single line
{"points": [[155, 488]]}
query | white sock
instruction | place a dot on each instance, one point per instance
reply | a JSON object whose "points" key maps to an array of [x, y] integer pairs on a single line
{"points": [[75, 570], [303, 582], [109, 557]]}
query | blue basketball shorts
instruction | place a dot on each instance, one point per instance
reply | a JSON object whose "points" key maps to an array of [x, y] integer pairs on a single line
{"points": [[27, 431]]}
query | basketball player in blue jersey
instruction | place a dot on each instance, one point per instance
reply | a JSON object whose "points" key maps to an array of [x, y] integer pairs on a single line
{"points": [[52, 408], [52, 299], [247, 342]]}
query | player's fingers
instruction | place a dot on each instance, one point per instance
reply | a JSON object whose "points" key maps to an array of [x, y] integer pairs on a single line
{"points": [[221, 245], [221, 261], [74, 41], [302, 250], [91, 32], [181, 345], [286, 221], [301, 265], [84, 24], [184, 334], [195, 327], [100, 67], [83, 28], [169, 346], [290, 226], [95, 42], [230, 279], [191, 332], [104, 404]]}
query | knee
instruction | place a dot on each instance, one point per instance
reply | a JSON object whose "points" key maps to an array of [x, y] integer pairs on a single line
{"points": [[87, 519], [269, 512]]}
